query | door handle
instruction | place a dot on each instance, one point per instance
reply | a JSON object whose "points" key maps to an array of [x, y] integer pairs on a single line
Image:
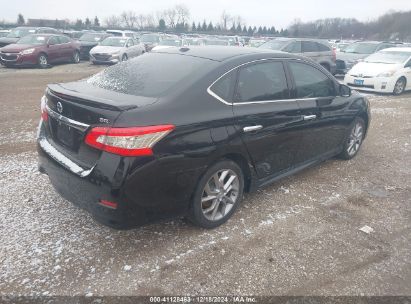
{"points": [[309, 117], [252, 128]]}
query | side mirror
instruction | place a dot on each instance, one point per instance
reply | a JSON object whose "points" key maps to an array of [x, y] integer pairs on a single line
{"points": [[345, 91], [408, 65]]}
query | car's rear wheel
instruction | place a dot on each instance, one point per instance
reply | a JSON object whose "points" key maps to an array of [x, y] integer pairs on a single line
{"points": [[42, 61], [400, 85], [217, 195], [124, 58], [76, 57], [354, 139]]}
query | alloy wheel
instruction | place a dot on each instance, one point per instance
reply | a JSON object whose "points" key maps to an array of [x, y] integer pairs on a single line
{"points": [[220, 194], [43, 60], [399, 86], [76, 57], [355, 139]]}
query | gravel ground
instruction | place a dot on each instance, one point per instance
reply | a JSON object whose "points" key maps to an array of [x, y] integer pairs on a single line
{"points": [[299, 236]]}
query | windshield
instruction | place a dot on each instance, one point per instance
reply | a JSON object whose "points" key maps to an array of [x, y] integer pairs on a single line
{"points": [[361, 48], [171, 42], [91, 37], [388, 57], [150, 75], [33, 39], [149, 38], [20, 32], [111, 41], [274, 44]]}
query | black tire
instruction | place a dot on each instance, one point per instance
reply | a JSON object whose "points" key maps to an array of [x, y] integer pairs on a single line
{"points": [[353, 141], [76, 57], [196, 213], [124, 57], [400, 85], [42, 61]]}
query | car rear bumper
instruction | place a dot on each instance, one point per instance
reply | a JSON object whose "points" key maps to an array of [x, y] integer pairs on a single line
{"points": [[374, 84], [145, 189]]}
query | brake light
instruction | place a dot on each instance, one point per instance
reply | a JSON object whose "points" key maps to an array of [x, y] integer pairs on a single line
{"points": [[43, 109], [135, 141]]}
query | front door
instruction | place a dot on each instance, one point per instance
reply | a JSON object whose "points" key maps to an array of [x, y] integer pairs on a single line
{"points": [[321, 109], [265, 116]]}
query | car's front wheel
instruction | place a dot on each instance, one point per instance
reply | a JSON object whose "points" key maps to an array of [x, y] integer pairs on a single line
{"points": [[400, 85], [354, 139], [42, 61], [218, 194]]}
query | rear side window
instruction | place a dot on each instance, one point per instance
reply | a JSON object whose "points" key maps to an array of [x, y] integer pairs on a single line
{"points": [[309, 46], [322, 47], [311, 82], [53, 40], [223, 88], [294, 47], [262, 81], [150, 75]]}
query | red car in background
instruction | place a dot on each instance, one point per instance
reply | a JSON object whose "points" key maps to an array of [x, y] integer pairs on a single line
{"points": [[40, 50]]}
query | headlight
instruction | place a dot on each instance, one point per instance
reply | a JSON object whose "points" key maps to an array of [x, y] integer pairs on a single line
{"points": [[386, 74], [27, 52], [115, 54]]}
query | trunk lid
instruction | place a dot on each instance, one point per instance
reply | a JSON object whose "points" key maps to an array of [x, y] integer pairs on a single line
{"points": [[75, 108]]}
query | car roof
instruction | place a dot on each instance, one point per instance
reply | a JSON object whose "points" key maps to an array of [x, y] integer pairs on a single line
{"points": [[221, 53]]}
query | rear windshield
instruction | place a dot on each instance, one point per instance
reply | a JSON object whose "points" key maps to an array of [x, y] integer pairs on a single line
{"points": [[361, 48], [92, 37], [20, 32], [150, 75], [113, 41]]}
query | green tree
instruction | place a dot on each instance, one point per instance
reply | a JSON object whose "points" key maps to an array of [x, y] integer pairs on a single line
{"points": [[79, 24], [204, 27], [238, 29], [193, 27], [244, 29], [96, 22], [199, 26], [162, 25], [260, 30], [87, 23], [232, 29], [250, 31], [20, 19], [210, 27]]}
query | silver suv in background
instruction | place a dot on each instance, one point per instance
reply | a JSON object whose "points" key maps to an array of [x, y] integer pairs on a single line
{"points": [[356, 52], [318, 50]]}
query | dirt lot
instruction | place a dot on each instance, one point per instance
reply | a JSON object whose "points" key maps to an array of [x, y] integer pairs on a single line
{"points": [[299, 236]]}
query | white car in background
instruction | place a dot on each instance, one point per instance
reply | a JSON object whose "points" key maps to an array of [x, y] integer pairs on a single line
{"points": [[115, 49], [387, 71], [169, 42]]}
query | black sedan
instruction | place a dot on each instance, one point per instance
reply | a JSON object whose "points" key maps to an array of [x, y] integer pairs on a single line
{"points": [[90, 40], [186, 131]]}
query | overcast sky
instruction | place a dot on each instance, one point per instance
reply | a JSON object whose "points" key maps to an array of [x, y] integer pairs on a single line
{"points": [[279, 13]]}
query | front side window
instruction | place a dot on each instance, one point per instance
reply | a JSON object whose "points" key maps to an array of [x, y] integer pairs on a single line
{"points": [[310, 82], [262, 81]]}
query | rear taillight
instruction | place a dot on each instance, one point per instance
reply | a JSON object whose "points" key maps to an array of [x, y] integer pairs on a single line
{"points": [[135, 141], [43, 109]]}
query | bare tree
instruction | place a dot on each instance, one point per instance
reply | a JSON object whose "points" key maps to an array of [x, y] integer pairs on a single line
{"points": [[170, 16], [113, 21], [129, 19], [225, 19], [239, 21], [150, 22], [183, 13], [141, 21]]}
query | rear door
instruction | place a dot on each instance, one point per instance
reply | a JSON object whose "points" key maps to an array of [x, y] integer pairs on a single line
{"points": [[322, 111], [66, 48], [265, 116], [53, 49]]}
